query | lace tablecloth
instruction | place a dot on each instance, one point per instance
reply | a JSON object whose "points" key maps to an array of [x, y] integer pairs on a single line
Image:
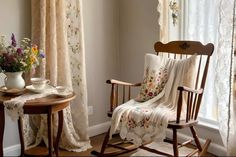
{"points": [[14, 106]]}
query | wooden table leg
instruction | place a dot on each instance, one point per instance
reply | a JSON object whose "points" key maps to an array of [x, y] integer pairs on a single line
{"points": [[20, 128], [59, 131], [2, 126], [50, 138]]}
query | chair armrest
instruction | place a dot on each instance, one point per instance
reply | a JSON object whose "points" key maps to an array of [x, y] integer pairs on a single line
{"points": [[113, 81], [187, 89], [192, 102], [118, 96]]}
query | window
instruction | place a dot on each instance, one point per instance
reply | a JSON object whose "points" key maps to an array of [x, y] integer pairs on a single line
{"points": [[199, 21]]}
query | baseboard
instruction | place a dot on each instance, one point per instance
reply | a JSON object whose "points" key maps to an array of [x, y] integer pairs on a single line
{"points": [[12, 150], [99, 129], [214, 148]]}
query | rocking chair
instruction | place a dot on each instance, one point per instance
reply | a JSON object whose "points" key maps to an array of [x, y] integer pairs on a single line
{"points": [[194, 97]]}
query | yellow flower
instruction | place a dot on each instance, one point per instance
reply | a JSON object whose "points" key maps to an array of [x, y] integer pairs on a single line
{"points": [[35, 49], [32, 59]]}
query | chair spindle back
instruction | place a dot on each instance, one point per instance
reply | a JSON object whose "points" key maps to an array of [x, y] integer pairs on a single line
{"points": [[183, 49]]}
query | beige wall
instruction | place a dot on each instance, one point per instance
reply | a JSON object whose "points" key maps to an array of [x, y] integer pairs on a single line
{"points": [[117, 35], [138, 33], [101, 26], [15, 18]]}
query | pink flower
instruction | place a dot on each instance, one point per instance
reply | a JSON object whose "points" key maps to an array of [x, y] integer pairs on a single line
{"points": [[150, 94]]}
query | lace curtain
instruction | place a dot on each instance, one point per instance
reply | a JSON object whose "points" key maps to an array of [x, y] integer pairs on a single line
{"points": [[211, 21], [56, 28], [224, 75]]}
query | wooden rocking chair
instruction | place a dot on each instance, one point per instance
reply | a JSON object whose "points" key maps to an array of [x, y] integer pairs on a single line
{"points": [[194, 97]]}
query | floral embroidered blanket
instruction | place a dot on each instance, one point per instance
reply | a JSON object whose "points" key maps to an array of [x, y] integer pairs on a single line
{"points": [[141, 122]]}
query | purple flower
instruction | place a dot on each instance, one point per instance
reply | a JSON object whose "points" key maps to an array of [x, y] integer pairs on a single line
{"points": [[41, 55], [19, 51], [13, 40]]}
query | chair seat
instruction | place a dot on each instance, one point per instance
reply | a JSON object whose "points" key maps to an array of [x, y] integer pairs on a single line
{"points": [[181, 124], [173, 124]]}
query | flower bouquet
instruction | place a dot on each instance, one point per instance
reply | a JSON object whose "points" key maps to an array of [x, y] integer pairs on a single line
{"points": [[22, 58], [16, 59]]}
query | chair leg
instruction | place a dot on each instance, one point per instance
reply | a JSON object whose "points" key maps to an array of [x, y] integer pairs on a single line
{"points": [[105, 141], [175, 143], [196, 138], [205, 147], [104, 145]]}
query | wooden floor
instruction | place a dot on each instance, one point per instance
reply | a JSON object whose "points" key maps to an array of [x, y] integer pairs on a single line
{"points": [[96, 143]]}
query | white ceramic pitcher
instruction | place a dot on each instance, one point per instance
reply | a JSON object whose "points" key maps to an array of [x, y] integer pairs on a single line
{"points": [[14, 80]]}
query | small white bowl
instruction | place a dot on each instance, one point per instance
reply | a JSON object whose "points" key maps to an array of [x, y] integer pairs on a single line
{"points": [[60, 89]]}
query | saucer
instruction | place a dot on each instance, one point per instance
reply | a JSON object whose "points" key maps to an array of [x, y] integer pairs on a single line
{"points": [[35, 90], [12, 92]]}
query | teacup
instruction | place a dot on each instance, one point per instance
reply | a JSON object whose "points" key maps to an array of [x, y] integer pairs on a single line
{"points": [[39, 83]]}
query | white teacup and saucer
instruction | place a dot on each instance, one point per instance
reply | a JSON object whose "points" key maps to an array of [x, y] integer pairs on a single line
{"points": [[39, 85]]}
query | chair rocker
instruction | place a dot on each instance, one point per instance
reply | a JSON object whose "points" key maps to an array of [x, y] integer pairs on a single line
{"points": [[193, 101]]}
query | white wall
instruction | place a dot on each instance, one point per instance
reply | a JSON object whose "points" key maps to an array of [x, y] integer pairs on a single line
{"points": [[15, 18]]}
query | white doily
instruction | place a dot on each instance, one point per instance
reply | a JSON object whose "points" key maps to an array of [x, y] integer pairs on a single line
{"points": [[14, 107]]}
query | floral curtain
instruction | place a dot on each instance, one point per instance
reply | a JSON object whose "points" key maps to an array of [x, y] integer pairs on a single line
{"points": [[163, 22], [56, 28], [77, 56]]}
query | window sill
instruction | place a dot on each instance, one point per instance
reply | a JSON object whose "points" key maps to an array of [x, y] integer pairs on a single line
{"points": [[208, 123]]}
